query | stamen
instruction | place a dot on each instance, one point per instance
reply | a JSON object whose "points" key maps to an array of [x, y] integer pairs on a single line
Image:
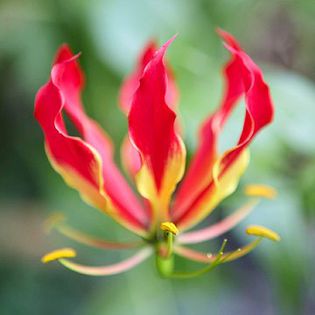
{"points": [[218, 228], [223, 246], [201, 257], [120, 267], [92, 241], [193, 254], [220, 258], [260, 191], [56, 221], [59, 254], [263, 232], [169, 227], [240, 252], [213, 263], [53, 220]]}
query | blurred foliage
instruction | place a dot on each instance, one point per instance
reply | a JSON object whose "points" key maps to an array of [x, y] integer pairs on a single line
{"points": [[279, 35]]}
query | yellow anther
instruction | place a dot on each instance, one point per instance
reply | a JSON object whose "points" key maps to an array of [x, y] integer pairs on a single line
{"points": [[260, 191], [262, 232], [58, 254], [169, 227]]}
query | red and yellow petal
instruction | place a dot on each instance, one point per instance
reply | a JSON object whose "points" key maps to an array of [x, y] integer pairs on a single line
{"points": [[229, 167], [130, 157], [152, 132], [199, 173], [85, 164], [131, 83]]}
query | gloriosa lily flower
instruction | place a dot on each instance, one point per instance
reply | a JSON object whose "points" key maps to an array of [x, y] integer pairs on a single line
{"points": [[154, 156]]}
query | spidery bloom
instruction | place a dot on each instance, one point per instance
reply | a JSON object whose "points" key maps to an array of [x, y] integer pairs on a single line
{"points": [[153, 154]]}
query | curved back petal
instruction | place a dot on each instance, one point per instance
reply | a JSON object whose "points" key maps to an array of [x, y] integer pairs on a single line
{"points": [[86, 164], [227, 168]]}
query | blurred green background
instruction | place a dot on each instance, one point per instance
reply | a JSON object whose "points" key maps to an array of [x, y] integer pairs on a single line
{"points": [[279, 35]]}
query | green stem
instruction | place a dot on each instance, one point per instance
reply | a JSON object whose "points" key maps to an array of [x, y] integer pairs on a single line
{"points": [[169, 244], [165, 265]]}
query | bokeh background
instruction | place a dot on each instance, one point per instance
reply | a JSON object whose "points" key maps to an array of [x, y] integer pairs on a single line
{"points": [[279, 35]]}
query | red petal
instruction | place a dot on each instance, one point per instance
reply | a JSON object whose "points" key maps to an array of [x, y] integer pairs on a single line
{"points": [[91, 159], [131, 83], [259, 112], [129, 155], [151, 129], [74, 153], [199, 173]]}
